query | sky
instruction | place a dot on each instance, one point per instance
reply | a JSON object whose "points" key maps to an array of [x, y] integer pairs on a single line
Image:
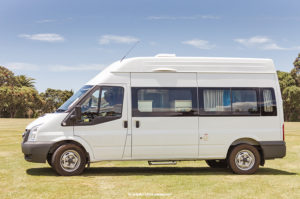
{"points": [[63, 43]]}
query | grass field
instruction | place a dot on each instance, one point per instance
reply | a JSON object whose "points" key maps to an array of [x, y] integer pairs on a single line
{"points": [[279, 178]]}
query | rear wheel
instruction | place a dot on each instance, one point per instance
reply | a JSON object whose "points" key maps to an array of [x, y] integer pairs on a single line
{"points": [[49, 159], [216, 163], [69, 160], [244, 159]]}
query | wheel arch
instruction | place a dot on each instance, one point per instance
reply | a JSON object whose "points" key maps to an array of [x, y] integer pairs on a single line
{"points": [[245, 140], [250, 141], [57, 144]]}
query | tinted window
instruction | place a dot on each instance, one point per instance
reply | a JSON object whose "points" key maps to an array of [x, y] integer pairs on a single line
{"points": [[216, 100], [268, 102], [164, 101], [244, 101], [228, 101], [111, 101], [91, 103], [102, 105]]}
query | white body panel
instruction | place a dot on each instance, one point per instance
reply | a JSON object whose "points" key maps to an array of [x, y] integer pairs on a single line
{"points": [[172, 137], [223, 131], [164, 137], [163, 80], [161, 137]]}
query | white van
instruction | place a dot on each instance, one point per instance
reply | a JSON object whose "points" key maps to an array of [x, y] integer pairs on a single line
{"points": [[163, 109]]}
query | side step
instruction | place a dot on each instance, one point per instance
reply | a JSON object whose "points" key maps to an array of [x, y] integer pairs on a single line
{"points": [[162, 162]]}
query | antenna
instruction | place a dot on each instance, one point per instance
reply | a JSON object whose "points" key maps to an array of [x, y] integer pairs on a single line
{"points": [[134, 45]]}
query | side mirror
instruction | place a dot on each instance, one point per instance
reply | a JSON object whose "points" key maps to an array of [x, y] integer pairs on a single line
{"points": [[78, 113]]}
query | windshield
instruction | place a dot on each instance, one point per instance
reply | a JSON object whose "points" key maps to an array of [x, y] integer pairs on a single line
{"points": [[74, 98]]}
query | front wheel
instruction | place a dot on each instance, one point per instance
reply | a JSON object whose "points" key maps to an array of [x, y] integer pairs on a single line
{"points": [[244, 159], [69, 160]]}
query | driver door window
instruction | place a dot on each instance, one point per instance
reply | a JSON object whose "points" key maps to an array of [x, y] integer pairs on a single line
{"points": [[111, 101], [103, 105], [90, 107]]}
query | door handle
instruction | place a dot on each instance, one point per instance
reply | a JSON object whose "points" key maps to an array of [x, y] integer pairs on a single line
{"points": [[137, 124], [125, 124]]}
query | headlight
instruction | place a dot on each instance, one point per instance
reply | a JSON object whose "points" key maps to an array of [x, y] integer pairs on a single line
{"points": [[33, 133]]}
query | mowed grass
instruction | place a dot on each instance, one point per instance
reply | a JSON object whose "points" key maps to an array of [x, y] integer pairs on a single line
{"points": [[279, 178]]}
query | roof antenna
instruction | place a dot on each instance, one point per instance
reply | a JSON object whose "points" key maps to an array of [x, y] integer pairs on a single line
{"points": [[136, 43]]}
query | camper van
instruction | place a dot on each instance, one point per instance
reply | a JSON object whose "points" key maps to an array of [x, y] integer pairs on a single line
{"points": [[164, 109]]}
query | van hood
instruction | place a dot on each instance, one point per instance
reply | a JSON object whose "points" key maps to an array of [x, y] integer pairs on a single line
{"points": [[42, 119]]}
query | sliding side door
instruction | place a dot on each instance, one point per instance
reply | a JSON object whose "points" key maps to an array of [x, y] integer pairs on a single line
{"points": [[164, 116]]}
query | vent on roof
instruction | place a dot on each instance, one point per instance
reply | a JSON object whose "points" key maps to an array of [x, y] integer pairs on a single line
{"points": [[165, 55]]}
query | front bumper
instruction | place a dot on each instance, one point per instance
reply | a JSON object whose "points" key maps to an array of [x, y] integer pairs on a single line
{"points": [[273, 149], [36, 151]]}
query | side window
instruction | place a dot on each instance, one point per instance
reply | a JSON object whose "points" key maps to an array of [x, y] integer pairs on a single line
{"points": [[102, 105], [216, 100], [90, 105], [228, 101], [111, 101], [244, 101], [268, 102], [156, 102]]}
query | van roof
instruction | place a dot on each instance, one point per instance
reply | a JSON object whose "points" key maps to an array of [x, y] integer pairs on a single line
{"points": [[193, 64]]}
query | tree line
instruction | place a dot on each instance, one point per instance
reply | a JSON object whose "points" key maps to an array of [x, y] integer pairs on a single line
{"points": [[290, 91], [19, 98]]}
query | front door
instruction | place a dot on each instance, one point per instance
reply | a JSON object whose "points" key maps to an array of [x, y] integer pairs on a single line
{"points": [[104, 121]]}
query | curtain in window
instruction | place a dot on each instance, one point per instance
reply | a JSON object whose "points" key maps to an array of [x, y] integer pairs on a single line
{"points": [[267, 95], [216, 100]]}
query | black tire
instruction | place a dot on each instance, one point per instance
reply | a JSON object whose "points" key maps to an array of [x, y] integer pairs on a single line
{"points": [[49, 159], [217, 163], [69, 154], [244, 159]]}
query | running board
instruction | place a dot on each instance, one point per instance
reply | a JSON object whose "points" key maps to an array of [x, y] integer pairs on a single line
{"points": [[162, 162]]}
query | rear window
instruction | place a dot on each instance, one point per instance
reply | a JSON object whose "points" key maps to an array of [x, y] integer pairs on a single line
{"points": [[268, 102]]}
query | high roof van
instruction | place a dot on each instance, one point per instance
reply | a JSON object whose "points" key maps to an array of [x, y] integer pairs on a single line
{"points": [[163, 109]]}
